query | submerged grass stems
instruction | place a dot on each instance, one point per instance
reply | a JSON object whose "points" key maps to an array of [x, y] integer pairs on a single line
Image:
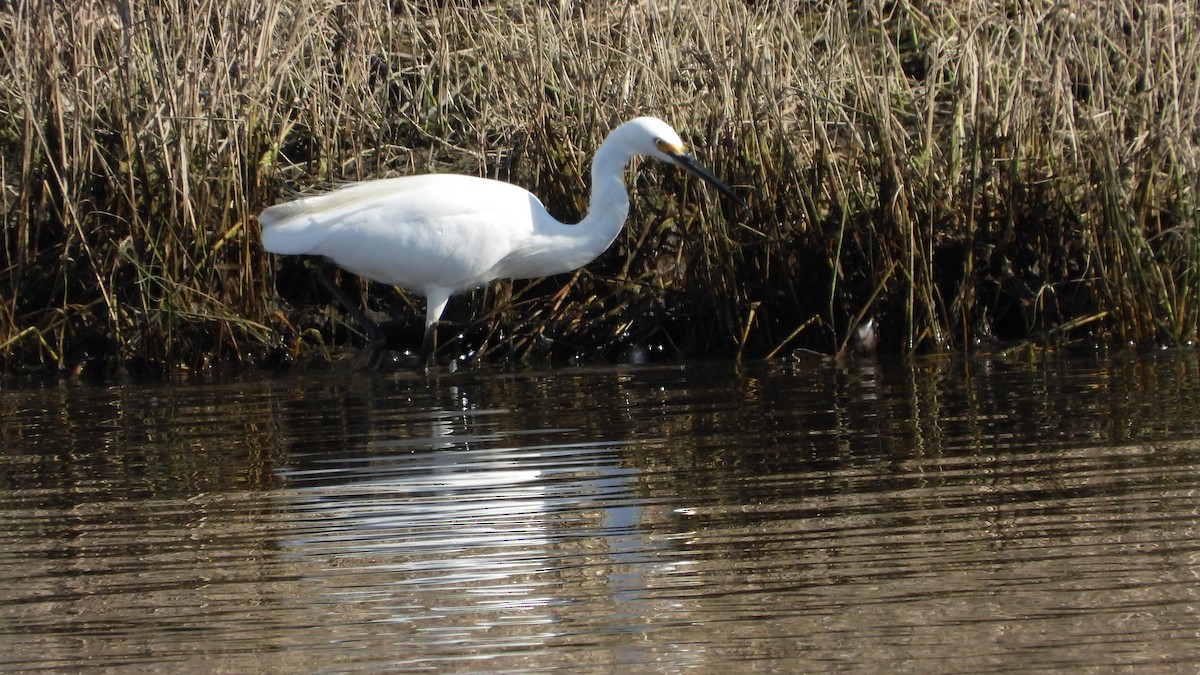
{"points": [[965, 173]]}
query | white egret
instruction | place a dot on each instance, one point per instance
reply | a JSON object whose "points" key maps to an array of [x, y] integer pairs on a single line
{"points": [[442, 234]]}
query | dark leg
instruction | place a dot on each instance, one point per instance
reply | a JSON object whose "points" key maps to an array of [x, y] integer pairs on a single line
{"points": [[435, 301], [426, 348], [378, 342]]}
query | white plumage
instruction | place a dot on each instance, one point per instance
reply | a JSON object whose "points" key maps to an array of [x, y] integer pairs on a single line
{"points": [[442, 234]]}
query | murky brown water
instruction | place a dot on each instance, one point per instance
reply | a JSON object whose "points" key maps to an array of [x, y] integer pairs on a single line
{"points": [[945, 515]]}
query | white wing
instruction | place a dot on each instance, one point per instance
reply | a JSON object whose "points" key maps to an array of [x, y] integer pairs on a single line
{"points": [[418, 232]]}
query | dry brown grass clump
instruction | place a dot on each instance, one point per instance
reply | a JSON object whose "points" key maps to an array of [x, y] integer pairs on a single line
{"points": [[964, 172]]}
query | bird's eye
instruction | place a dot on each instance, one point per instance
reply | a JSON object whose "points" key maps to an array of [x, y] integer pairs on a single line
{"points": [[666, 147]]}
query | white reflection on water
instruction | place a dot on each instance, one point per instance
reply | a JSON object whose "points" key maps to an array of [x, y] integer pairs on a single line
{"points": [[467, 540]]}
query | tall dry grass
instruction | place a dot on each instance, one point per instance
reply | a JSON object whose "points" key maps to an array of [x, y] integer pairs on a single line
{"points": [[964, 172]]}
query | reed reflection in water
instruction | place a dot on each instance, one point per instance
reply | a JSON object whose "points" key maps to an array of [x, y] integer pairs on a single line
{"points": [[937, 515]]}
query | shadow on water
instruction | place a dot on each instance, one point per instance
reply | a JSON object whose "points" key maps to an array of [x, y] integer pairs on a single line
{"points": [[937, 515]]}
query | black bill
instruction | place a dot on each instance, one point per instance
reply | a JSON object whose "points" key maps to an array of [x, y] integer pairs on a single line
{"points": [[693, 167]]}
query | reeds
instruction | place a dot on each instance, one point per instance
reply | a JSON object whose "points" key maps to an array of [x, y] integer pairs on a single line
{"points": [[965, 173]]}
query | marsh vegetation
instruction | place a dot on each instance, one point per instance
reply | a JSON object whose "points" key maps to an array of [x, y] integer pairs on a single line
{"points": [[969, 174]]}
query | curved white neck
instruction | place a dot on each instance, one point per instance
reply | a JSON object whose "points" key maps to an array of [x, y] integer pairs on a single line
{"points": [[563, 248], [609, 204]]}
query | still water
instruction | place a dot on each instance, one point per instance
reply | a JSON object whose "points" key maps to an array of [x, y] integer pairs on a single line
{"points": [[936, 515]]}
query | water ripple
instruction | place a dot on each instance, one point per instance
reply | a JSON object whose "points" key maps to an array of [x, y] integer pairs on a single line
{"points": [[938, 516]]}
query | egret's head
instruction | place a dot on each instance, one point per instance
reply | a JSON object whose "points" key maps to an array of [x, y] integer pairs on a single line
{"points": [[655, 138]]}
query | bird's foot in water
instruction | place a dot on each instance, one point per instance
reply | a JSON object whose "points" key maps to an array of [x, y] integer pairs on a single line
{"points": [[375, 356], [378, 357]]}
